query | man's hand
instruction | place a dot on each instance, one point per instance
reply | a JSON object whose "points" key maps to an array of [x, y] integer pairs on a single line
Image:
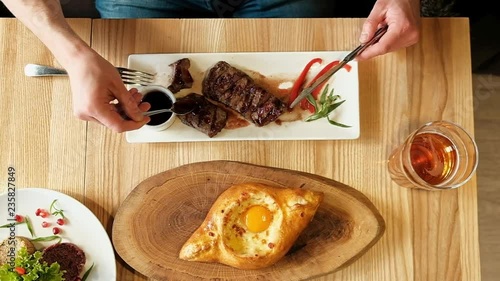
{"points": [[403, 20], [95, 84]]}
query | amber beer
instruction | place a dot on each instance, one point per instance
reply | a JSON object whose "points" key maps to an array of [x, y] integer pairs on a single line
{"points": [[433, 157], [439, 155]]}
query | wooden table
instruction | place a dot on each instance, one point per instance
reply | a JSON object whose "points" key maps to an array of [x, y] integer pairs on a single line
{"points": [[429, 235]]}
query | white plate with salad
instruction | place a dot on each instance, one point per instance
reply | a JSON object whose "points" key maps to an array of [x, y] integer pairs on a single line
{"points": [[47, 218], [277, 72]]}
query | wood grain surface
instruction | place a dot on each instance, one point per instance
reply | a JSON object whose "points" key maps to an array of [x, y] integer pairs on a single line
{"points": [[429, 236], [163, 211], [40, 138], [487, 120]]}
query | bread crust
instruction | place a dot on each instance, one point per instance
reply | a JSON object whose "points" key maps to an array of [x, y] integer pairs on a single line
{"points": [[20, 242], [206, 244]]}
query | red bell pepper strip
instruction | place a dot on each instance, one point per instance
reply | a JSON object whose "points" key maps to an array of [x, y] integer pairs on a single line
{"points": [[311, 108], [316, 91], [300, 80], [304, 104]]}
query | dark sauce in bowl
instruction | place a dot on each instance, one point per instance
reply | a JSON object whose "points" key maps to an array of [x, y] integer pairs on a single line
{"points": [[158, 100]]}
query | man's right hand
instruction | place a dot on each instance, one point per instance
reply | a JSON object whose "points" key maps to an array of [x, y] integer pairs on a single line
{"points": [[95, 84]]}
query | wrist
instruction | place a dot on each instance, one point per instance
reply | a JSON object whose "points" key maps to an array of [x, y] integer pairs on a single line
{"points": [[66, 46], [72, 54]]}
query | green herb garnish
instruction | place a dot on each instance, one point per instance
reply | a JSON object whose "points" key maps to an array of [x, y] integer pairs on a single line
{"points": [[328, 102], [26, 221], [9, 225], [56, 210], [30, 227], [87, 273], [47, 238]]}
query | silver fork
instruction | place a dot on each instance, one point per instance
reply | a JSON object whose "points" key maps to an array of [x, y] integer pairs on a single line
{"points": [[129, 76]]}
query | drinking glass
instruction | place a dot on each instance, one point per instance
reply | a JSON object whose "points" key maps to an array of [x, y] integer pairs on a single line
{"points": [[439, 155]]}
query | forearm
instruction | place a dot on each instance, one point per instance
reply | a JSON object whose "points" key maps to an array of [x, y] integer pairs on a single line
{"points": [[46, 20]]}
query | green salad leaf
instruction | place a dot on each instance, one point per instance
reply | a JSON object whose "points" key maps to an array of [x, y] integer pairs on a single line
{"points": [[35, 268]]}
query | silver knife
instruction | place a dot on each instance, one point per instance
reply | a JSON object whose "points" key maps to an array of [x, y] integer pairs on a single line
{"points": [[307, 91]]}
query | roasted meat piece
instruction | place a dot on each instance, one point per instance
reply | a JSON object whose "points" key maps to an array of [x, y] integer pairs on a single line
{"points": [[206, 118], [69, 256], [234, 88], [182, 78]]}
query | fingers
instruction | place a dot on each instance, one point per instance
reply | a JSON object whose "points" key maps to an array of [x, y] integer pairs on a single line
{"points": [[136, 95], [384, 45], [144, 106], [402, 28], [398, 35], [129, 102], [112, 115], [371, 24], [109, 117]]}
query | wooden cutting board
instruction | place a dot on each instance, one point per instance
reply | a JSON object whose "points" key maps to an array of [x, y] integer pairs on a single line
{"points": [[162, 212]]}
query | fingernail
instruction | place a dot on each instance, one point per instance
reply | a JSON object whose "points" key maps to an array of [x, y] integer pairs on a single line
{"points": [[363, 38]]}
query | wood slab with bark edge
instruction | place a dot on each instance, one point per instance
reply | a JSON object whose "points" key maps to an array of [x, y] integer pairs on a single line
{"points": [[162, 212]]}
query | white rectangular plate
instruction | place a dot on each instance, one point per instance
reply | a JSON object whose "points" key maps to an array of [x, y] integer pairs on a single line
{"points": [[284, 67]]}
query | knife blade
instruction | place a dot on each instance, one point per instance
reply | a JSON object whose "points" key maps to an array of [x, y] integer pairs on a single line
{"points": [[308, 90]]}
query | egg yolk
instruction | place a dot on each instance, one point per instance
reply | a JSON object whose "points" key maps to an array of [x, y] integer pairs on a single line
{"points": [[257, 218]]}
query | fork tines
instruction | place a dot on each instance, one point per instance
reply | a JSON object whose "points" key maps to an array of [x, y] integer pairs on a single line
{"points": [[135, 77]]}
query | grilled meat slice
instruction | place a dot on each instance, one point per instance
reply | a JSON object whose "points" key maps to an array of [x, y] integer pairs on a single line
{"points": [[235, 89], [69, 257], [182, 78], [207, 118]]}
